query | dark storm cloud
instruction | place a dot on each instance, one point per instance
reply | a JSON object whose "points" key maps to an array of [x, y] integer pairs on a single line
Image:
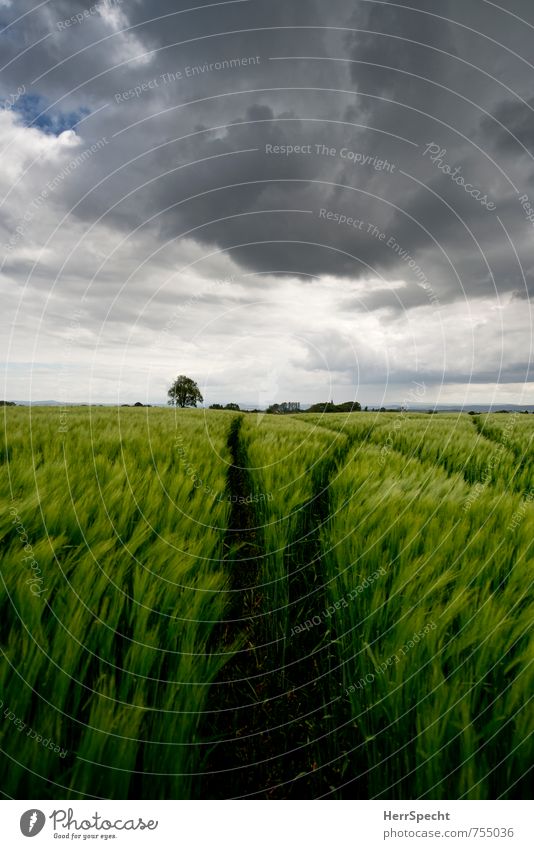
{"points": [[427, 93], [518, 131], [397, 45]]}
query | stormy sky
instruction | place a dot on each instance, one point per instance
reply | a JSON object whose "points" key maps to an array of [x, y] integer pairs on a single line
{"points": [[283, 199]]}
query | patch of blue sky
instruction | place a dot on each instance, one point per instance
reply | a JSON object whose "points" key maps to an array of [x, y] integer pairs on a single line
{"points": [[34, 112]]}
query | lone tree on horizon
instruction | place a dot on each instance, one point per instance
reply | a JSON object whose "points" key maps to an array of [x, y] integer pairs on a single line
{"points": [[184, 392]]}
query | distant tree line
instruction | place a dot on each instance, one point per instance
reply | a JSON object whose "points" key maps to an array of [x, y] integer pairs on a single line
{"points": [[290, 407], [284, 408], [234, 407], [330, 407], [184, 392]]}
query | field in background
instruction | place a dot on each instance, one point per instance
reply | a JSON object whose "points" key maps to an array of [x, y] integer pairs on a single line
{"points": [[198, 604]]}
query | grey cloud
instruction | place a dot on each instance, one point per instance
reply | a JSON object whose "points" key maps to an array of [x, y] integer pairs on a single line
{"points": [[273, 248], [518, 119], [400, 38]]}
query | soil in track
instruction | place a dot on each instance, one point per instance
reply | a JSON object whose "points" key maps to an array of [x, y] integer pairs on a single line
{"points": [[226, 719], [274, 703], [306, 758]]}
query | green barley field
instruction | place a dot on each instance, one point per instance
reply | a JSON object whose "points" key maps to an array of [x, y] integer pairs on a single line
{"points": [[200, 605]]}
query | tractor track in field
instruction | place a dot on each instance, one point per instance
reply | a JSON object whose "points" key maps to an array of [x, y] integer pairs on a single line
{"points": [[269, 709], [244, 548], [311, 655], [431, 465], [502, 441]]}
